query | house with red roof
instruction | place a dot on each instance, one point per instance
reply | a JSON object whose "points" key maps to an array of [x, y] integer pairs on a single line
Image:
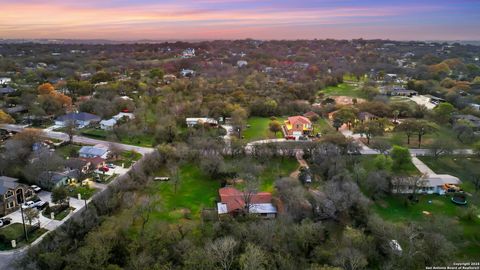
{"points": [[232, 202], [297, 126]]}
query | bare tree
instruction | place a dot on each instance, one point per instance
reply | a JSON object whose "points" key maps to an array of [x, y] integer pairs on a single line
{"points": [[70, 129], [249, 190], [146, 207], [222, 251]]}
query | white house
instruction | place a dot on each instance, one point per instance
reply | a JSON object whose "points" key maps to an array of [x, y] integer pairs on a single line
{"points": [[188, 53], [94, 151], [430, 184], [81, 119], [191, 122], [187, 73], [5, 80], [122, 115], [108, 124], [242, 63]]}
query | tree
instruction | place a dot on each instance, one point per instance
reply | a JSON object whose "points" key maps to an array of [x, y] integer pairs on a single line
{"points": [[70, 129], [409, 127], [275, 126], [222, 251], [464, 131], [371, 128], [377, 183], [401, 158], [337, 123], [249, 190], [345, 115], [424, 127], [443, 112], [383, 162], [253, 258], [381, 145], [59, 195], [5, 118], [441, 146], [239, 120], [31, 214]]}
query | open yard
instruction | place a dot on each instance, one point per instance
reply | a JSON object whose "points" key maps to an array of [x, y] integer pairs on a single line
{"points": [[15, 232], [259, 130], [276, 168], [194, 191], [344, 89], [399, 138], [68, 151], [144, 140]]}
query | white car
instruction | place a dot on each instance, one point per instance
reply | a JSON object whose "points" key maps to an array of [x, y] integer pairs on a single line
{"points": [[29, 204], [36, 188]]}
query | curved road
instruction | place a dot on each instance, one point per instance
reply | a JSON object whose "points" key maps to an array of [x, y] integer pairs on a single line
{"points": [[80, 139]]}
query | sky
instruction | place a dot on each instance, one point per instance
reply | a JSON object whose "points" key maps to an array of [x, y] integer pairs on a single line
{"points": [[239, 19]]}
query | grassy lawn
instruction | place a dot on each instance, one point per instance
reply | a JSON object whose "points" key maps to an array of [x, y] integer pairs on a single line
{"points": [[86, 192], [322, 126], [195, 191], [127, 158], [94, 133], [61, 215], [15, 232], [276, 168], [399, 138], [144, 140], [343, 89], [259, 129], [69, 150]]}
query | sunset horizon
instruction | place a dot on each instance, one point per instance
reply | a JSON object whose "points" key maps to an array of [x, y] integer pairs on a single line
{"points": [[240, 19]]}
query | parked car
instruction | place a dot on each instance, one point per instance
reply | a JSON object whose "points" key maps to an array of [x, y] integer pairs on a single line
{"points": [[111, 165], [36, 188], [34, 204], [159, 178], [5, 221], [39, 204], [104, 169]]}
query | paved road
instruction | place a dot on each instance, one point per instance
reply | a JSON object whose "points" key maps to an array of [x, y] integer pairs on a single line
{"points": [[80, 139]]}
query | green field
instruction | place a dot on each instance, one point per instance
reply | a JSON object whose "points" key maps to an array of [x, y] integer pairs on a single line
{"points": [[343, 89], [68, 151], [195, 191], [276, 168], [322, 126], [144, 140], [399, 138], [259, 130]]}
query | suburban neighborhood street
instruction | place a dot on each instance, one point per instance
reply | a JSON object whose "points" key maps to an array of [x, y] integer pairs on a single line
{"points": [[80, 139]]}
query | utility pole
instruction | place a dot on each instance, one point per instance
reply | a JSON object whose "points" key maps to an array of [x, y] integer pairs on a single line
{"points": [[23, 221]]}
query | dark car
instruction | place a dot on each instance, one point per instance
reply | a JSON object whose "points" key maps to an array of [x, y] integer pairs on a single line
{"points": [[5, 221]]}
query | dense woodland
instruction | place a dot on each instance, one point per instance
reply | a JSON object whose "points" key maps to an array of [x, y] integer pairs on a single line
{"points": [[330, 225]]}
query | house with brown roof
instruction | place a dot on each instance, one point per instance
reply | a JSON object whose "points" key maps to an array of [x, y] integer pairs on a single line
{"points": [[232, 202], [13, 194], [297, 126]]}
